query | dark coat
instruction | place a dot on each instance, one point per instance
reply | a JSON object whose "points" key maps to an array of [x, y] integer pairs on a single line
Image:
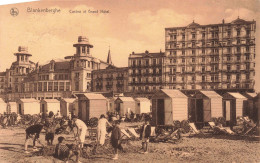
{"points": [[147, 131], [115, 137]]}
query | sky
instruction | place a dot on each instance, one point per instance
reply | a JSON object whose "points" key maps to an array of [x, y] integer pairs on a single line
{"points": [[130, 25]]}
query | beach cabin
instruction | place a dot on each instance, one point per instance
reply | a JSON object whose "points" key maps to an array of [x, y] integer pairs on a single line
{"points": [[48, 105], [169, 105], [28, 106], [142, 105], [205, 105], [91, 105], [67, 105], [233, 106], [11, 107], [3, 106], [249, 111], [111, 104], [256, 116], [125, 105]]}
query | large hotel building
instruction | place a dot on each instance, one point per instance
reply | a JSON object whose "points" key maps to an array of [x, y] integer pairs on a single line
{"points": [[214, 56]]}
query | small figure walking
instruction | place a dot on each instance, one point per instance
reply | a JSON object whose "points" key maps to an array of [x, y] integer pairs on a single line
{"points": [[116, 138], [145, 135]]}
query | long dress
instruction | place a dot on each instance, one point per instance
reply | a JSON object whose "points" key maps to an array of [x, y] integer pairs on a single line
{"points": [[101, 131]]}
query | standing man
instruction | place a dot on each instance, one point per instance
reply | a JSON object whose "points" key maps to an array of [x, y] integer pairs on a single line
{"points": [[145, 135], [81, 130]]}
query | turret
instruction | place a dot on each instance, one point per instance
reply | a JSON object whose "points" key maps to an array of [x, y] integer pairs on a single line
{"points": [[83, 46]]}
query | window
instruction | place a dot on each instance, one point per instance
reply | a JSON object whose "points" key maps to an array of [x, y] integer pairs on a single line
{"points": [[193, 51], [203, 68], [76, 86], [193, 69], [203, 51], [237, 77], [39, 86], [45, 86], [247, 76], [247, 32], [147, 62], [61, 86], [50, 86], [247, 66], [183, 52], [238, 49], [238, 32], [228, 67], [183, 45], [247, 49], [203, 59], [228, 77], [238, 41], [247, 57], [77, 74], [56, 86], [83, 49], [183, 69], [183, 60], [228, 50], [229, 33], [175, 37], [193, 36], [203, 78], [182, 78], [203, 35], [88, 64], [183, 36], [193, 60], [212, 78], [228, 58], [35, 87], [87, 50], [154, 61]]}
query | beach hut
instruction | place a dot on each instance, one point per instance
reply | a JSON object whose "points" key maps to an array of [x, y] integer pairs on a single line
{"points": [[124, 105], [3, 106], [169, 105], [204, 105], [67, 105], [142, 105], [91, 105], [256, 109], [249, 110], [48, 105], [11, 107], [28, 106], [233, 106], [111, 104]]}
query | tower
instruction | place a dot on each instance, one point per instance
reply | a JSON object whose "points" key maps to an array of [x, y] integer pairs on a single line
{"points": [[109, 60], [20, 69]]}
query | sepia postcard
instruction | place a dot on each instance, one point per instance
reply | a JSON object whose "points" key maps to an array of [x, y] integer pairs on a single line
{"points": [[131, 81]]}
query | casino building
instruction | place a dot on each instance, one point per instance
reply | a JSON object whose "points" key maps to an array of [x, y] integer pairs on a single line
{"points": [[57, 79]]}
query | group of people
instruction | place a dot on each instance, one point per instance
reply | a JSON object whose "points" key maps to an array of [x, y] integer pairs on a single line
{"points": [[64, 151]]}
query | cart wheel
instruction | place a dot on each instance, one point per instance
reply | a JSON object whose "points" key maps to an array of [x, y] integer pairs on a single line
{"points": [[185, 126]]}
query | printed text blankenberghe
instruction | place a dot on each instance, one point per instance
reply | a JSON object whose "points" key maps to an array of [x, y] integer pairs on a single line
{"points": [[44, 10]]}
